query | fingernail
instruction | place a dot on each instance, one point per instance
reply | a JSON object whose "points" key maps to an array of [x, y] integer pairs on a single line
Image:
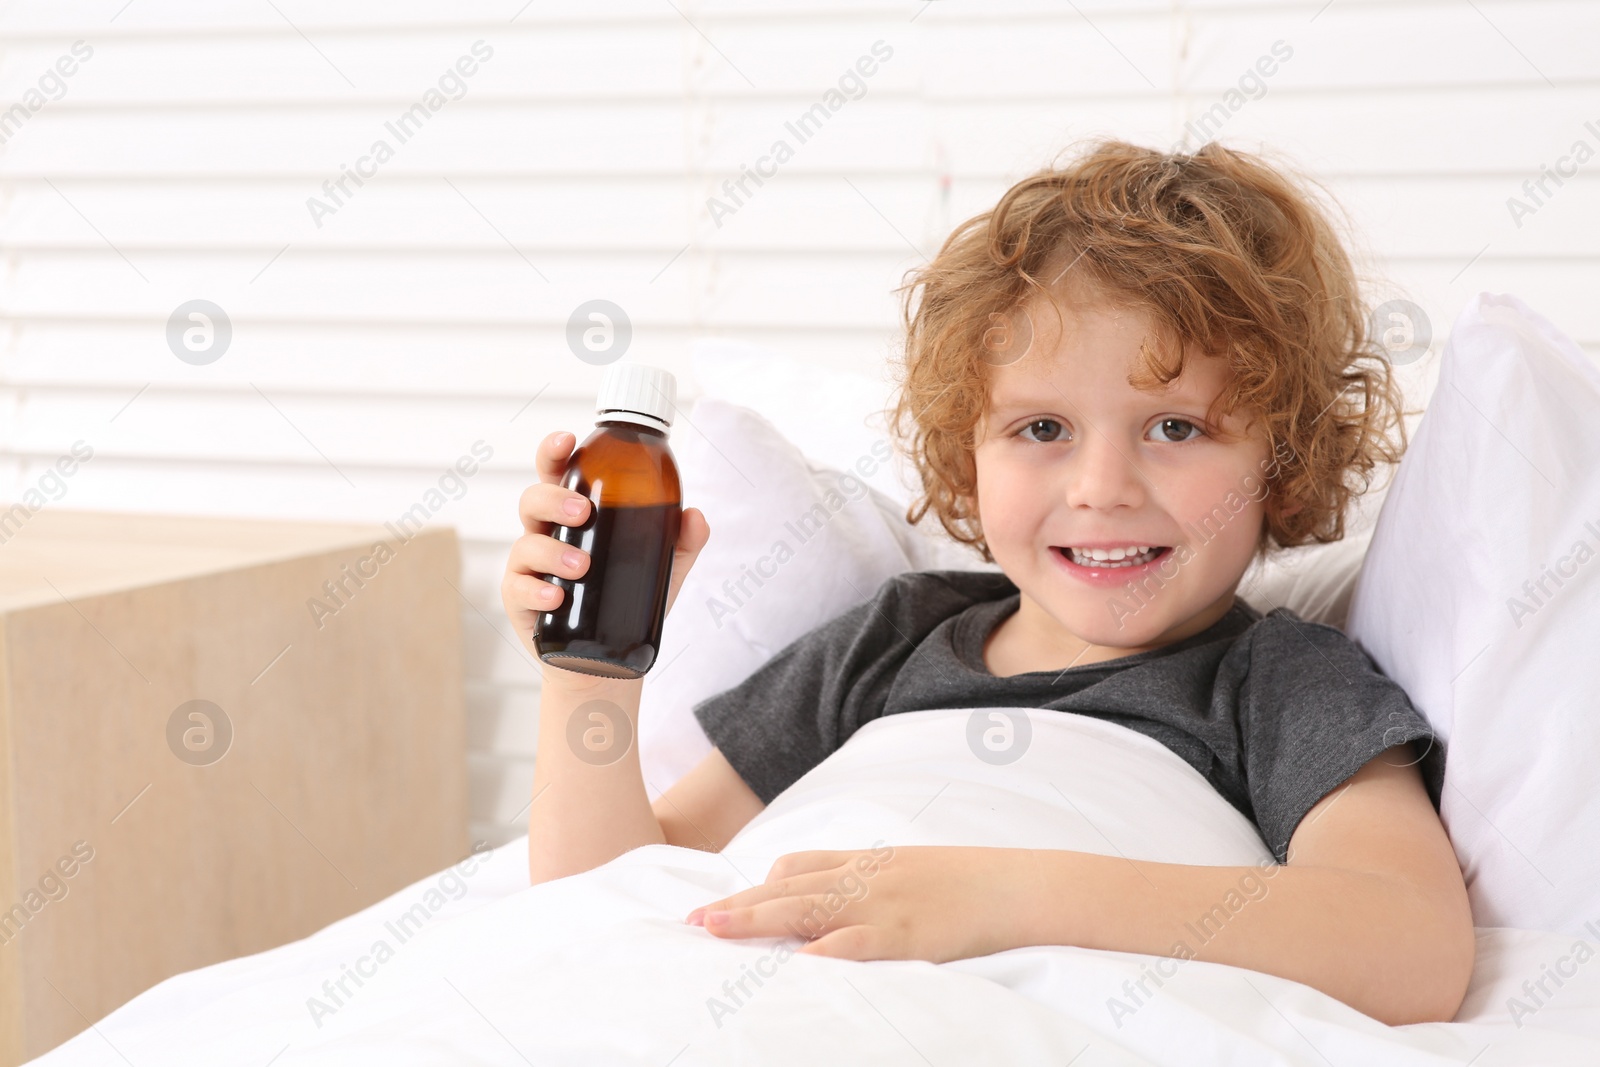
{"points": [[696, 917], [716, 918], [547, 593], [573, 506]]}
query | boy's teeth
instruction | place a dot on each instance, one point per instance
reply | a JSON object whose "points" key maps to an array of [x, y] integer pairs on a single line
{"points": [[1131, 556]]}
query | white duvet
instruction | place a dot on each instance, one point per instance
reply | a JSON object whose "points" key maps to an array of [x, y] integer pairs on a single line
{"points": [[599, 968]]}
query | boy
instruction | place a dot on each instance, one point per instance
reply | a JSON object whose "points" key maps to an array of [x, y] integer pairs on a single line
{"points": [[1129, 379]]}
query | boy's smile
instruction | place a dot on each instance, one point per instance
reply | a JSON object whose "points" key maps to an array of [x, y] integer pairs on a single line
{"points": [[1075, 464]]}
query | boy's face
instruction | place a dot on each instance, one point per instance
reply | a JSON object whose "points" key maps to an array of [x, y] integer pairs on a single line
{"points": [[1071, 455]]}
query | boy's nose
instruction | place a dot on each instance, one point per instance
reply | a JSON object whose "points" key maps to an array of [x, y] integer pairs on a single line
{"points": [[1103, 474]]}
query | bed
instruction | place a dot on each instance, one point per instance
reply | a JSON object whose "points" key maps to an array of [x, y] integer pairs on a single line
{"points": [[475, 966], [481, 968]]}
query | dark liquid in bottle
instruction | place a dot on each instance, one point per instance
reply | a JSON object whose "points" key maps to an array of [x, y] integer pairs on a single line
{"points": [[609, 621]]}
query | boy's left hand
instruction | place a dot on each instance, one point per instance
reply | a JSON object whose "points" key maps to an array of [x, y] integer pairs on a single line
{"points": [[933, 902]]}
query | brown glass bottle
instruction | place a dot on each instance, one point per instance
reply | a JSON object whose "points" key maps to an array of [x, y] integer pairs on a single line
{"points": [[609, 620]]}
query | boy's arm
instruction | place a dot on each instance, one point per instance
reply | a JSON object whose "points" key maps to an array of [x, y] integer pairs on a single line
{"points": [[596, 807], [1370, 909], [589, 802], [706, 807]]}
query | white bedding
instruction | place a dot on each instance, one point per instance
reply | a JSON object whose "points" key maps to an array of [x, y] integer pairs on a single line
{"points": [[599, 968]]}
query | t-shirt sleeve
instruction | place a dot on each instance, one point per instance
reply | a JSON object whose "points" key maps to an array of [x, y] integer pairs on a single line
{"points": [[803, 703], [1313, 708]]}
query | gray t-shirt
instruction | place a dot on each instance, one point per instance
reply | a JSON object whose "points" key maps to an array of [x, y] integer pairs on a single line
{"points": [[1273, 710]]}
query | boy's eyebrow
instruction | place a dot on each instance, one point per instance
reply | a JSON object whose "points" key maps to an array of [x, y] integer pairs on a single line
{"points": [[1047, 397], [1008, 404]]}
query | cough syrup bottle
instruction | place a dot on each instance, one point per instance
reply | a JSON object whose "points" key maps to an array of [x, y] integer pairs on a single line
{"points": [[609, 620]]}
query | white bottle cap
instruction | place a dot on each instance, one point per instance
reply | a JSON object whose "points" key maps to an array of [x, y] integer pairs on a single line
{"points": [[634, 392]]}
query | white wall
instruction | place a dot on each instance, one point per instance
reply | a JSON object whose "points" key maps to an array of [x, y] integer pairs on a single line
{"points": [[369, 352]]}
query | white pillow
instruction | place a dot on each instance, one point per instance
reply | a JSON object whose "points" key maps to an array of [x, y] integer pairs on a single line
{"points": [[1499, 489], [792, 545], [832, 416]]}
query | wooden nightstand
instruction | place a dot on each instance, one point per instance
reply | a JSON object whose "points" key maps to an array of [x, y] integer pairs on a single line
{"points": [[216, 736]]}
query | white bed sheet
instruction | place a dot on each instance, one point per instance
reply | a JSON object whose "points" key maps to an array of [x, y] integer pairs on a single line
{"points": [[600, 968]]}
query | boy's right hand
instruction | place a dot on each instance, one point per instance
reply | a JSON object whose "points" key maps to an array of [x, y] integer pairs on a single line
{"points": [[544, 505]]}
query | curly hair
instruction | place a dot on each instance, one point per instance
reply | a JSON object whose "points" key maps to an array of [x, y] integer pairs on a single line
{"points": [[1228, 255]]}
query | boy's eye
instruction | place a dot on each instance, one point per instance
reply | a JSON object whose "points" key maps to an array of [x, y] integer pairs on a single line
{"points": [[1050, 433], [1182, 427]]}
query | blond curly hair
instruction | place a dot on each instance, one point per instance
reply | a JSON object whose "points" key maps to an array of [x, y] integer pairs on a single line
{"points": [[1229, 255]]}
